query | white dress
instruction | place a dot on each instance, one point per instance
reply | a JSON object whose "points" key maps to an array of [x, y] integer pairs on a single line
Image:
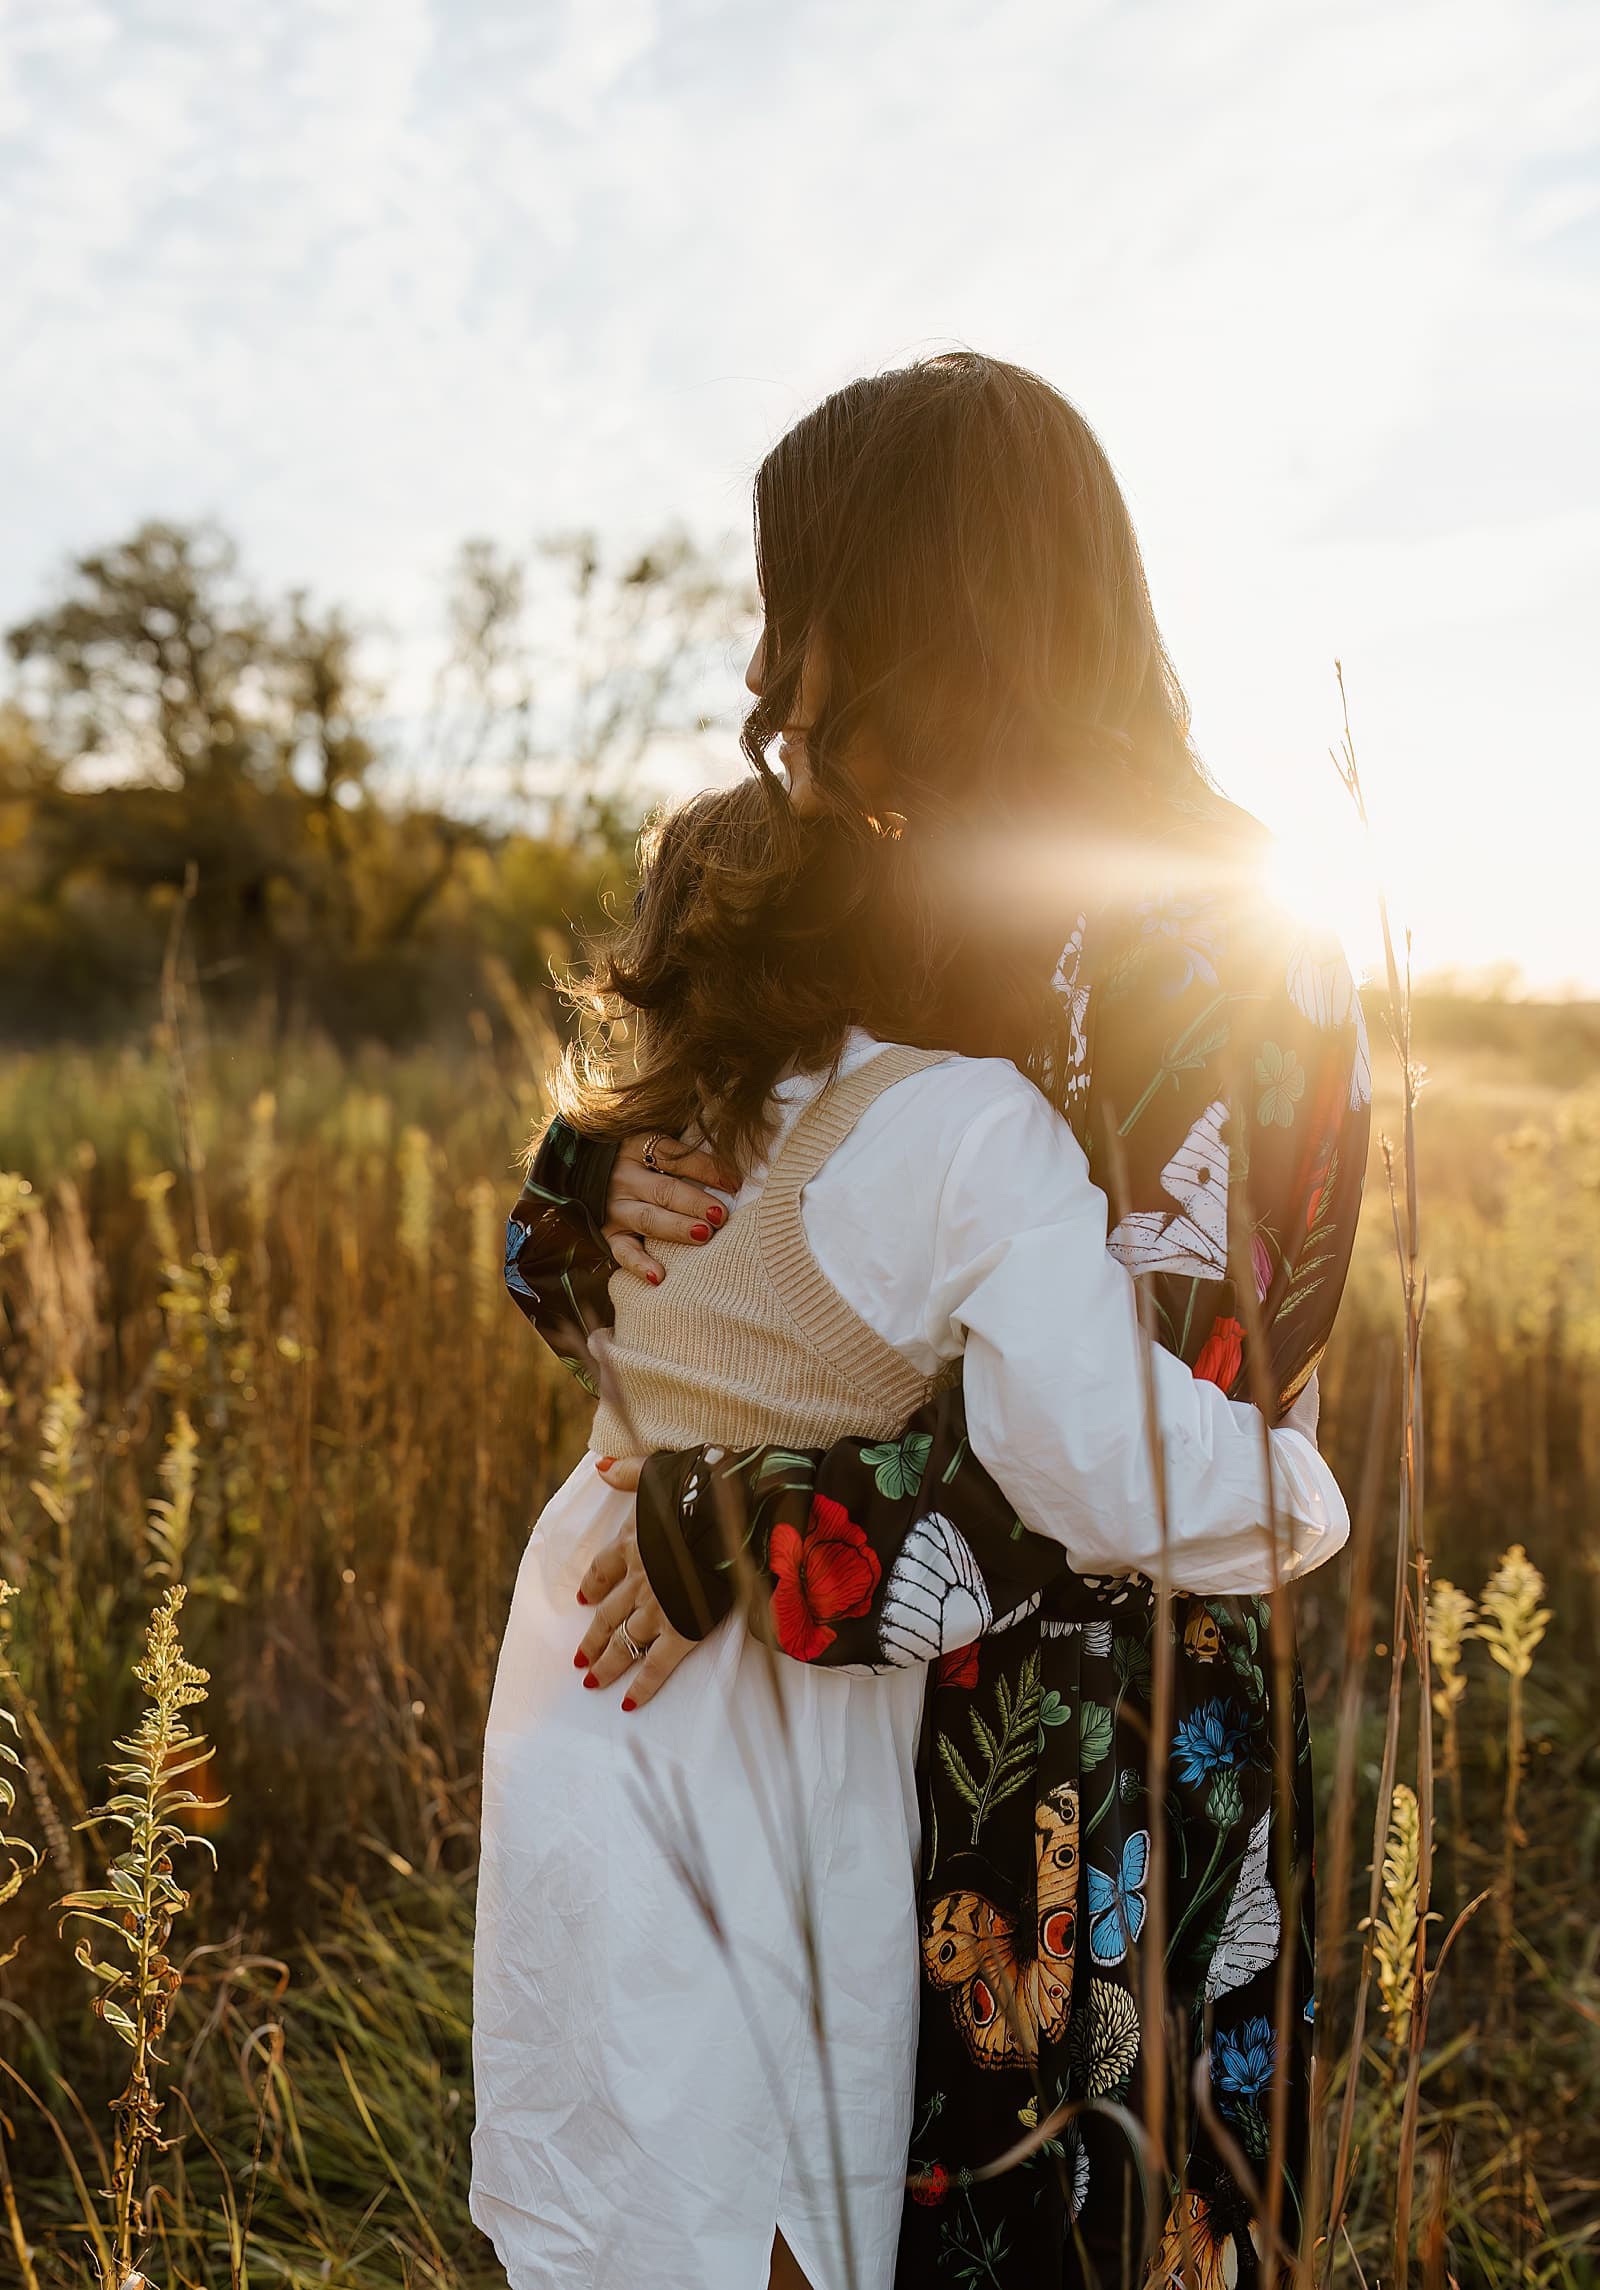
{"points": [[652, 2097]]}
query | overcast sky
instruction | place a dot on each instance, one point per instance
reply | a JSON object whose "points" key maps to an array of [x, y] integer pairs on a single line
{"points": [[361, 277]]}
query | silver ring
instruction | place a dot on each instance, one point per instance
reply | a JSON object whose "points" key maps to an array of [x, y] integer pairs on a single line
{"points": [[648, 1156], [635, 1652]]}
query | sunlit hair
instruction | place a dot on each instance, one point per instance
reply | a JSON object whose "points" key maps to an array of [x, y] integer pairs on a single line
{"points": [[748, 950], [953, 536], [954, 531]]}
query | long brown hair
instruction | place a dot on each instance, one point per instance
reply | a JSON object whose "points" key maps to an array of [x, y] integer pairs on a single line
{"points": [[952, 534]]}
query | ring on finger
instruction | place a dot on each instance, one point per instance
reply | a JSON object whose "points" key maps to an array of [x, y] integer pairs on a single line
{"points": [[652, 1146], [636, 1651]]}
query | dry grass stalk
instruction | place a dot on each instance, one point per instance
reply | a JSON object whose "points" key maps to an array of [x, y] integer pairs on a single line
{"points": [[172, 1511], [135, 1909], [1511, 1625], [1411, 1572], [415, 1231], [1342, 1806], [1165, 2087], [21, 1857]]}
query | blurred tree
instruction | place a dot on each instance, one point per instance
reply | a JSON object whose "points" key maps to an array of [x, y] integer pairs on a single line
{"points": [[167, 718], [565, 669]]}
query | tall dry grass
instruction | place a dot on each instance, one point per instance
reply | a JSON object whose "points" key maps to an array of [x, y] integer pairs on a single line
{"points": [[254, 1343]]}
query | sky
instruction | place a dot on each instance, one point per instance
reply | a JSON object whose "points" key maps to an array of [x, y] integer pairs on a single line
{"points": [[363, 277]]}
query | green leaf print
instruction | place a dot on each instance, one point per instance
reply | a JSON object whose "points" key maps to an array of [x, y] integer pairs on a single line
{"points": [[976, 2256], [1052, 1711], [1321, 1243], [1185, 1053], [1130, 1658], [960, 1779], [1094, 1734], [1281, 1079], [1007, 1751], [778, 1461], [897, 1467], [576, 1368]]}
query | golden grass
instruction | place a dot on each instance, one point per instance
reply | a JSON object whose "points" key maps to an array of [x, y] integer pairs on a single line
{"points": [[255, 1345]]}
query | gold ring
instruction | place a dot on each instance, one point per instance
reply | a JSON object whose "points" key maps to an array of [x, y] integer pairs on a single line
{"points": [[648, 1156]]}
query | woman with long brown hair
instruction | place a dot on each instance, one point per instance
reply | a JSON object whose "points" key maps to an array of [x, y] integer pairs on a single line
{"points": [[997, 842]]}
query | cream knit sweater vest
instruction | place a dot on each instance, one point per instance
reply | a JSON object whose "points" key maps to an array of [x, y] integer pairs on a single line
{"points": [[746, 1343]]}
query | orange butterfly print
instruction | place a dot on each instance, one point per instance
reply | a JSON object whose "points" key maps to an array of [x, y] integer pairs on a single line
{"points": [[1004, 2002], [1195, 2253]]}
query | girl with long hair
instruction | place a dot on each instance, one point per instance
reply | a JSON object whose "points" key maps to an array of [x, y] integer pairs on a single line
{"points": [[995, 840]]}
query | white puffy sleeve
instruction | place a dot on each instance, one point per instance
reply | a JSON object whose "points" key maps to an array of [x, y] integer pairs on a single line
{"points": [[1057, 1383]]}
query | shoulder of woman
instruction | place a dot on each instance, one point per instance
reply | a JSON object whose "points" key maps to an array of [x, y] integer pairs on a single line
{"points": [[978, 1126], [959, 1089]]}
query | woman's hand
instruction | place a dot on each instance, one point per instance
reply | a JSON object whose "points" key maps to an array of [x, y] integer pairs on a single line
{"points": [[643, 1202], [618, 1589]]}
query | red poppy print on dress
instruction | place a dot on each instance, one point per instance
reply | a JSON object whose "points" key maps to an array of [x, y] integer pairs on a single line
{"points": [[961, 1667], [1221, 1353], [821, 1575]]}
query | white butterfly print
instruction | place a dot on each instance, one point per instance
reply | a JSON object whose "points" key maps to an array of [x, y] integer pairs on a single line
{"points": [[1017, 1614], [1069, 983], [1321, 989], [1196, 1238], [1096, 1636], [1248, 1941], [1078, 2158], [936, 1601]]}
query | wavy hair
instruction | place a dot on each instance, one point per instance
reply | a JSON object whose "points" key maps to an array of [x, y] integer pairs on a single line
{"points": [[951, 533]]}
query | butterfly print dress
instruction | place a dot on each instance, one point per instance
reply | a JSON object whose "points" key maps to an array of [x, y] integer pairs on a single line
{"points": [[1217, 1074]]}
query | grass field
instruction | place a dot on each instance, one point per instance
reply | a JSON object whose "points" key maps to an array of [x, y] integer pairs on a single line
{"points": [[253, 1340]]}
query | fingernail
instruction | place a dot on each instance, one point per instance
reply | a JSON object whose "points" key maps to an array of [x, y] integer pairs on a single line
{"points": [[628, 1702], [654, 1279], [699, 1232], [580, 1660], [582, 1601], [604, 1462], [590, 1679], [716, 1212]]}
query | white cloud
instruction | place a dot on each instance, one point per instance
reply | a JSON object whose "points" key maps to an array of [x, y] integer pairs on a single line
{"points": [[364, 275]]}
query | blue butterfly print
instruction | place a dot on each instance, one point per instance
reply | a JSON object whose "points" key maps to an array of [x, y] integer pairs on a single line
{"points": [[1116, 1904], [516, 1234]]}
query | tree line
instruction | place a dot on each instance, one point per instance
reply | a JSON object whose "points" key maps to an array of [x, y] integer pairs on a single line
{"points": [[343, 854]]}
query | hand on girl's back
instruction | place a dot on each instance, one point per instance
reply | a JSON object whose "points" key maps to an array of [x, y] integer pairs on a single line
{"points": [[645, 1204]]}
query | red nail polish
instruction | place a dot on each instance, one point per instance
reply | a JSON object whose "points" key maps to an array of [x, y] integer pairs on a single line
{"points": [[699, 1232], [580, 1660], [590, 1679], [629, 1703], [582, 1601], [654, 1279], [716, 1212], [605, 1462]]}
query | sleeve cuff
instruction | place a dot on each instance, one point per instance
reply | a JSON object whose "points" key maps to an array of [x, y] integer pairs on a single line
{"points": [[693, 1592], [577, 1169]]}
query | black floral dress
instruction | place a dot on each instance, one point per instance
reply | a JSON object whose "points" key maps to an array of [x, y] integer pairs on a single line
{"points": [[1218, 1079]]}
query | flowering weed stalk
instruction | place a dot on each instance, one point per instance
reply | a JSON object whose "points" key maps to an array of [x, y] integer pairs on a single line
{"points": [[1451, 1616], [136, 1908], [1395, 1935], [1511, 1626]]}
